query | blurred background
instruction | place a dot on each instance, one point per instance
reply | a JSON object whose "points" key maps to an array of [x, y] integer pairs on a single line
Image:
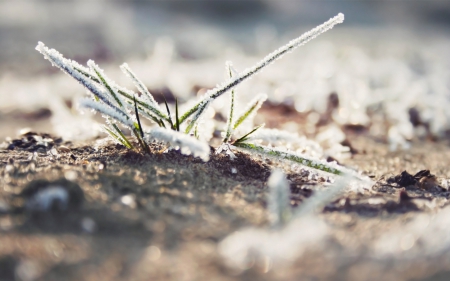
{"points": [[111, 31], [381, 50]]}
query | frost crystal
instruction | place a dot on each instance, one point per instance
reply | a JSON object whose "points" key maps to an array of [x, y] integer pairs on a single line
{"points": [[112, 112], [188, 145], [107, 83], [226, 147], [228, 85], [276, 137], [315, 163], [138, 83], [69, 67]]}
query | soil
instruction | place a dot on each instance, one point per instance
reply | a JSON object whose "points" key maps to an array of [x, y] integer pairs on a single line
{"points": [[161, 216]]}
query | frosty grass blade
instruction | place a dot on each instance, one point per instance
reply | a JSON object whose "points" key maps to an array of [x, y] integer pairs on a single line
{"points": [[67, 66], [138, 83], [106, 82], [114, 113], [188, 145], [229, 131], [200, 107], [329, 167]]}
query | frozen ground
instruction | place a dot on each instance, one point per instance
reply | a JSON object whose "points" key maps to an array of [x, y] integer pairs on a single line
{"points": [[171, 217]]}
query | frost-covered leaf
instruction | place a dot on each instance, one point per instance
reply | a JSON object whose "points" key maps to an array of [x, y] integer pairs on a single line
{"points": [[107, 83], [188, 145], [68, 66], [242, 76], [138, 83], [280, 154], [229, 131], [110, 111], [276, 137]]}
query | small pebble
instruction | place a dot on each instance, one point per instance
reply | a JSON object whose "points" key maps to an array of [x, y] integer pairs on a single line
{"points": [[63, 149]]}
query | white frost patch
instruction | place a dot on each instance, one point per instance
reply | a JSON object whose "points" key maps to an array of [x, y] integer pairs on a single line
{"points": [[226, 147], [188, 145], [114, 113]]}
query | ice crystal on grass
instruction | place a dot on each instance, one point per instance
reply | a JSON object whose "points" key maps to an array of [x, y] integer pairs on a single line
{"points": [[69, 67], [188, 145], [198, 109], [116, 102], [308, 161], [114, 113], [138, 83], [107, 83], [287, 139]]}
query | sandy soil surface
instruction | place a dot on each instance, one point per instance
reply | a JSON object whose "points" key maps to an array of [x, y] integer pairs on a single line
{"points": [[161, 216]]}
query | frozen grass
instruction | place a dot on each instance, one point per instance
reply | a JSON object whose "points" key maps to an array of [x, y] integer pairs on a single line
{"points": [[116, 103]]}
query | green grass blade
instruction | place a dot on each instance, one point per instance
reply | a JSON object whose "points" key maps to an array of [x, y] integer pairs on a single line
{"points": [[119, 132], [177, 120], [196, 117], [117, 138], [196, 132], [137, 118], [252, 108], [245, 137], [141, 141], [104, 81], [168, 112]]}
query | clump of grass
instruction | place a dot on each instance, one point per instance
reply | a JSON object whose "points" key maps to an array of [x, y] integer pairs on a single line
{"points": [[122, 106]]}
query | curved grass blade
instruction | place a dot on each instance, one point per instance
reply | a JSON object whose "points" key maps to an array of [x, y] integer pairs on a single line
{"points": [[120, 133]]}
